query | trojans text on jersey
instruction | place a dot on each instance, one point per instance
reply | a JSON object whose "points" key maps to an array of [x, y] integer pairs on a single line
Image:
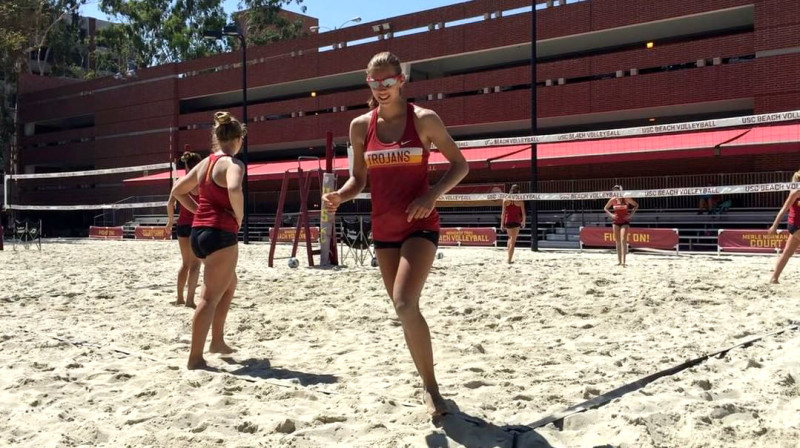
{"points": [[393, 157]]}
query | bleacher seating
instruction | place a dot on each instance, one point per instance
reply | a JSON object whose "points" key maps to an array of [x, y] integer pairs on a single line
{"points": [[558, 229]]}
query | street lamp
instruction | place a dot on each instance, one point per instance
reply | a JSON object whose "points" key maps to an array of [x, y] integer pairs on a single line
{"points": [[233, 30], [316, 28]]}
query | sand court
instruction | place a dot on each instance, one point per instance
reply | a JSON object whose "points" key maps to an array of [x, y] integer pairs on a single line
{"points": [[92, 352]]}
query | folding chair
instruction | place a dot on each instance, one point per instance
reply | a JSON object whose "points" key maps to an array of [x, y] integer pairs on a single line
{"points": [[26, 233], [357, 240]]}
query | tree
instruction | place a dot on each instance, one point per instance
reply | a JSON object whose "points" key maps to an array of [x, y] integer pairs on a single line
{"points": [[263, 23], [28, 27], [153, 32]]}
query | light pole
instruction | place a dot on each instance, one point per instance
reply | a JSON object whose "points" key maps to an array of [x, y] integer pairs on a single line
{"points": [[233, 30], [534, 131], [317, 28]]}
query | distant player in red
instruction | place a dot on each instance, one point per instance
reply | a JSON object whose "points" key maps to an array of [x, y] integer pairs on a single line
{"points": [[512, 219], [189, 271], [217, 218], [792, 205], [621, 210], [391, 144]]}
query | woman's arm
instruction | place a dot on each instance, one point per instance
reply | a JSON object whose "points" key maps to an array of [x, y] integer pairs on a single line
{"points": [[233, 179], [609, 204], [431, 127], [503, 216], [358, 180], [634, 204], [185, 185], [788, 203], [170, 212]]}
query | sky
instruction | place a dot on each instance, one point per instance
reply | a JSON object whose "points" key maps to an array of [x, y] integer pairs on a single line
{"points": [[333, 13]]}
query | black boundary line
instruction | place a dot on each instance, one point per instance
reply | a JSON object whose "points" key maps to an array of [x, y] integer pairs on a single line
{"points": [[601, 400]]}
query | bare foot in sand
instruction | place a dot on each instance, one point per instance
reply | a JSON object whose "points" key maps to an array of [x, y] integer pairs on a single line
{"points": [[435, 403], [196, 364], [190, 305], [221, 348], [774, 281], [179, 303]]}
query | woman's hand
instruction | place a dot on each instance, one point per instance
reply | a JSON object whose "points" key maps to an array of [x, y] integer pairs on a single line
{"points": [[772, 230], [331, 201], [421, 208]]}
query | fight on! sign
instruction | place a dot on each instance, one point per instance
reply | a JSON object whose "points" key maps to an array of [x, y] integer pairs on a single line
{"points": [[666, 239], [105, 233]]}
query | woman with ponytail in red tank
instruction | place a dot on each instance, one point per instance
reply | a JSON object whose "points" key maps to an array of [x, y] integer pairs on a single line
{"points": [[621, 210], [391, 144], [189, 271], [512, 219], [217, 217], [792, 206]]}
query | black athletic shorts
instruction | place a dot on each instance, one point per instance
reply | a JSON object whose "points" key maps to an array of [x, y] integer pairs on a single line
{"points": [[429, 235], [184, 230], [207, 240], [513, 225], [793, 229]]}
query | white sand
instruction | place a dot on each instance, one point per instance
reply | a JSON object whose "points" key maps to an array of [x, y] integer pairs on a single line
{"points": [[91, 352]]}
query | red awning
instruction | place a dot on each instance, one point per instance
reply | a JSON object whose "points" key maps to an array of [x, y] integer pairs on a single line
{"points": [[478, 158], [693, 144]]}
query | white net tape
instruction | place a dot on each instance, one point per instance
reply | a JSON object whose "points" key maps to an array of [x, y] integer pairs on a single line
{"points": [[127, 169], [654, 193], [101, 172], [87, 207]]}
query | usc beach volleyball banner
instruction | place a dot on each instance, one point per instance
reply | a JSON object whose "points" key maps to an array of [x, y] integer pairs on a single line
{"points": [[467, 236], [105, 233], [666, 239], [152, 233], [286, 234], [754, 241]]}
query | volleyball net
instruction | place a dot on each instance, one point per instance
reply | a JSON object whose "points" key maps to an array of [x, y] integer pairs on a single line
{"points": [[69, 201], [744, 162]]}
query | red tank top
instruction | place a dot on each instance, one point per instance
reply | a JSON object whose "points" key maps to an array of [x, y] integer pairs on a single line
{"points": [[621, 212], [794, 213], [214, 207], [513, 214], [398, 174], [185, 217]]}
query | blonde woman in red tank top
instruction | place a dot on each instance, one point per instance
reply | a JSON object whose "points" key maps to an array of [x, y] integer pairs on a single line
{"points": [[217, 218], [512, 219], [621, 210], [792, 206], [189, 272], [391, 145]]}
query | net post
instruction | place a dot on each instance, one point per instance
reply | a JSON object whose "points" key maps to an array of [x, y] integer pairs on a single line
{"points": [[6, 178], [327, 231]]}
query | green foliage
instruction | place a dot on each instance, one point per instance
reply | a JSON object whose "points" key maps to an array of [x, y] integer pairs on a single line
{"points": [[263, 23], [154, 32]]}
